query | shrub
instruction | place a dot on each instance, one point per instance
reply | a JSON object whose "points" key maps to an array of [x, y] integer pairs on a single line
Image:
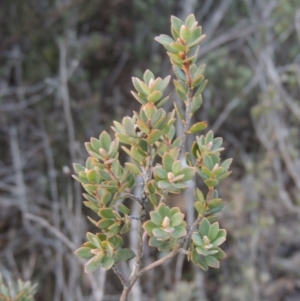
{"points": [[148, 138]]}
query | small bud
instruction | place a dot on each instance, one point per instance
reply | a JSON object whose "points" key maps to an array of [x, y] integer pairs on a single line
{"points": [[207, 247], [166, 222], [170, 177], [151, 82], [182, 55], [209, 145], [206, 240], [103, 152], [215, 167], [95, 251]]}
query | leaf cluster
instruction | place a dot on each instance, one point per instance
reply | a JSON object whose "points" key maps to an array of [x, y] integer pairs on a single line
{"points": [[21, 291], [149, 136]]}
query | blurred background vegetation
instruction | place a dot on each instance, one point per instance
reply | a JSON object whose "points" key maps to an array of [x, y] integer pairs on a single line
{"points": [[65, 74]]}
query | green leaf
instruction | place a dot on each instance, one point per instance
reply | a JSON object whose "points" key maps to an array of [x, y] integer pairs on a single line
{"points": [[212, 262], [193, 42], [92, 206], [164, 210], [143, 126], [176, 24], [198, 260], [125, 228], [197, 239], [164, 83], [213, 231], [156, 218], [90, 198], [204, 227], [178, 46], [177, 219], [215, 205], [196, 103], [164, 184], [126, 254], [190, 20], [209, 137], [105, 140], [91, 175], [145, 88], [201, 88], [220, 255], [128, 126], [197, 80], [211, 182], [84, 252], [178, 111], [167, 161], [105, 223], [113, 230], [200, 207], [179, 186], [163, 101], [179, 73], [219, 241], [154, 242], [226, 164], [196, 33], [176, 167], [149, 226], [99, 256], [123, 138], [140, 98], [161, 234], [188, 172], [149, 109], [107, 262], [116, 241], [107, 213], [77, 167], [164, 39], [92, 265], [96, 144], [197, 127], [202, 251], [179, 231], [113, 148], [106, 198], [199, 196], [123, 209], [154, 136], [148, 75], [185, 32], [180, 86], [200, 69], [155, 96], [132, 168], [217, 143], [208, 162], [137, 86], [160, 173]]}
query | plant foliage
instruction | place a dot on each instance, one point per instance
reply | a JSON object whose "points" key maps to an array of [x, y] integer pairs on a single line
{"points": [[149, 136]]}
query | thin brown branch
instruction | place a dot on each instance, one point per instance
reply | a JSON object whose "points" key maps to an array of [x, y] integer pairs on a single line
{"points": [[120, 276]]}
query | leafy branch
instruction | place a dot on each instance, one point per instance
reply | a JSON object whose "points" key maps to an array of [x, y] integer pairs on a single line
{"points": [[149, 136]]}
